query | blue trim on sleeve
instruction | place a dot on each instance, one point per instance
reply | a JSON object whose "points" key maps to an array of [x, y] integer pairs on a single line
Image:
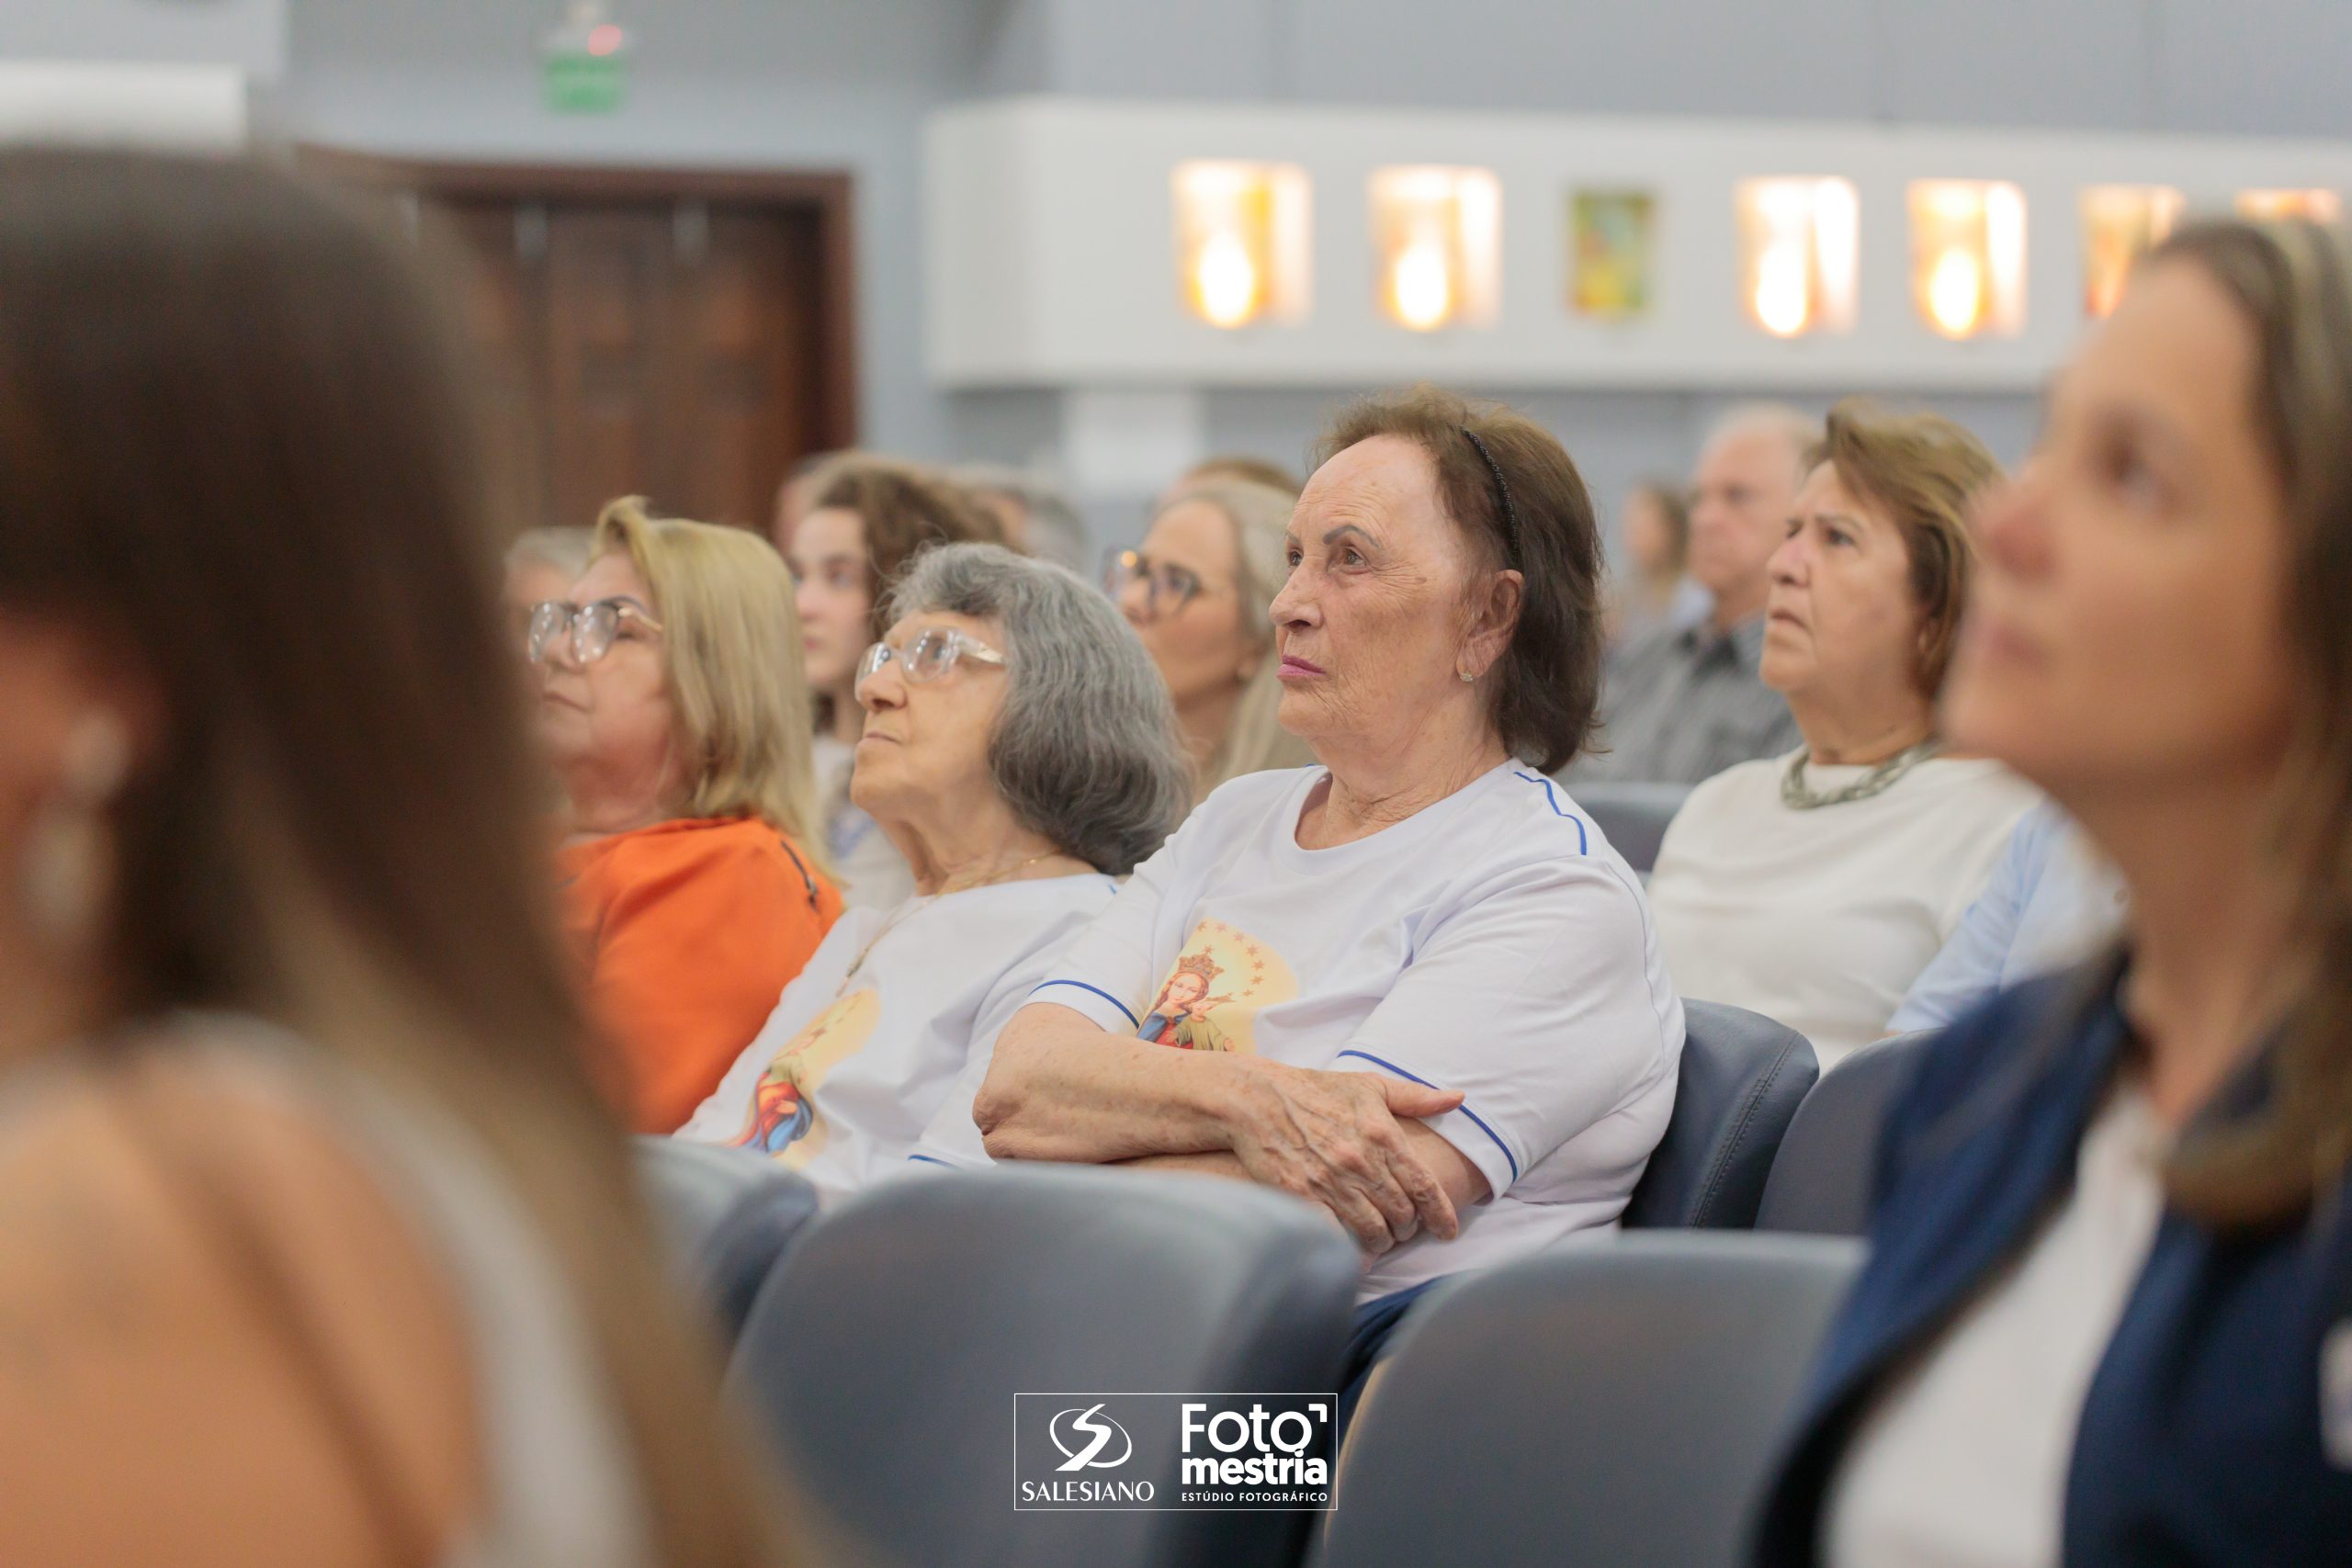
{"points": [[1584, 845], [1099, 991], [928, 1160], [1463, 1107]]}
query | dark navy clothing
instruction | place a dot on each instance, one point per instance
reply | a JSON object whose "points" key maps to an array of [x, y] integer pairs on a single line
{"points": [[2206, 1435]]}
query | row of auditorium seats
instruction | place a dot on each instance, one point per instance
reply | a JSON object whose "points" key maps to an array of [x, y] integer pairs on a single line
{"points": [[1608, 1403], [1600, 1404]]}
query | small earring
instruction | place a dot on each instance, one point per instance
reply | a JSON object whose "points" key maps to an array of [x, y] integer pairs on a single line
{"points": [[68, 863], [1467, 677]]}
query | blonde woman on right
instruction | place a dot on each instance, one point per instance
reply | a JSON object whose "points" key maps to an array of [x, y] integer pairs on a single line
{"points": [[1197, 593]]}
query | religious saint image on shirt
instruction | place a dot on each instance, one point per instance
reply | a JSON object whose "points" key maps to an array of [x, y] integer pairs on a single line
{"points": [[1211, 998], [786, 1124]]}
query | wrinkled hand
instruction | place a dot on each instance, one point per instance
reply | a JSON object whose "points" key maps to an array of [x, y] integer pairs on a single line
{"points": [[1334, 1138]]}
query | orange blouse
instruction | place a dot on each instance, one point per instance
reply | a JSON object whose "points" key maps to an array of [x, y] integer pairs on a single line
{"points": [[692, 929]]}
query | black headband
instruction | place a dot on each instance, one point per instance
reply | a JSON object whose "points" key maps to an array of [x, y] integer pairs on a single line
{"points": [[1502, 492]]}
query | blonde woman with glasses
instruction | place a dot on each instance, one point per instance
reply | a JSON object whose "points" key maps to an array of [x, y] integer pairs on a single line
{"points": [[1198, 592], [673, 706]]}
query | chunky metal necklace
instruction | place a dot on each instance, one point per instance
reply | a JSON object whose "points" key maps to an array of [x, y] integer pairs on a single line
{"points": [[1797, 796]]}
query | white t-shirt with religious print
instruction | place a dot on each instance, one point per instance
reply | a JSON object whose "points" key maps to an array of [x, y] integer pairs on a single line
{"points": [[859, 1056], [1492, 943]]}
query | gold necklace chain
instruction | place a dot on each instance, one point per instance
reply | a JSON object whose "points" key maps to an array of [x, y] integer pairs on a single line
{"points": [[914, 907]]}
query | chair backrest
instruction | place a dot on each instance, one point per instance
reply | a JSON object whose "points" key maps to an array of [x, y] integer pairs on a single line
{"points": [[728, 1217], [885, 1355], [1632, 815], [1741, 1080], [1821, 1178], [1604, 1406]]}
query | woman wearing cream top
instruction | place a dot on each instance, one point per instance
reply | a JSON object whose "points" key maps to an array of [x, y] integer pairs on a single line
{"points": [[1812, 887]]}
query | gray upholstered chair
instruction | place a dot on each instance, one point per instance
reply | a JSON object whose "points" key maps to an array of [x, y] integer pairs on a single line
{"points": [[1741, 1080], [1822, 1177], [727, 1217], [885, 1355], [1605, 1406], [1633, 817]]}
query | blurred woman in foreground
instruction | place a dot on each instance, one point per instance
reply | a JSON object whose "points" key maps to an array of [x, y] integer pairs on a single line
{"points": [[2106, 1317], [322, 1249]]}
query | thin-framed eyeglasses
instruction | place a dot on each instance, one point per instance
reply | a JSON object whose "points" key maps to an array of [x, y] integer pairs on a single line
{"points": [[1167, 587], [929, 655], [592, 626]]}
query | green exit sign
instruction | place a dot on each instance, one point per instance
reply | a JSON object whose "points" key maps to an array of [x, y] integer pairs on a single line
{"points": [[581, 82]]}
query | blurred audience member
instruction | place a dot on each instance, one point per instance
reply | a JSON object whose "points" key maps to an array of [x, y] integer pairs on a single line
{"points": [[541, 564], [2054, 901], [1232, 466], [1688, 701], [1813, 888], [796, 495], [673, 706], [2103, 1318], [1656, 593], [1411, 985], [1036, 518], [862, 530], [1198, 594], [1019, 749], [322, 1248]]}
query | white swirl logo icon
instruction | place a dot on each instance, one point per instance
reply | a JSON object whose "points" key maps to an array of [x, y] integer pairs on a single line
{"points": [[1098, 1430]]}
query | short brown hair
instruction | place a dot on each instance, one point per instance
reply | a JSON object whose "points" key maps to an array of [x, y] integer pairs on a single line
{"points": [[1546, 702], [905, 509], [1925, 472]]}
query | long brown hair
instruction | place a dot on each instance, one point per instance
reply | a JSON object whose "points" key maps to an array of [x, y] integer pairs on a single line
{"points": [[2293, 283], [235, 449]]}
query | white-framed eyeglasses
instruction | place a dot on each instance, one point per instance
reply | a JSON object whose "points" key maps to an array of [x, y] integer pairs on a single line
{"points": [[929, 654], [592, 626]]}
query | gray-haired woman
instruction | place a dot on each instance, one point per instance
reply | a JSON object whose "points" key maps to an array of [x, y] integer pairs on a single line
{"points": [[1021, 751]]}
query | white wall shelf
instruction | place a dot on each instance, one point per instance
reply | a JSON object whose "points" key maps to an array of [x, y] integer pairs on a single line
{"points": [[1049, 245]]}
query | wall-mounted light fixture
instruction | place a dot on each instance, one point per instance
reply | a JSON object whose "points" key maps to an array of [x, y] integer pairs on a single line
{"points": [[1437, 234], [1241, 241], [2319, 206], [2119, 224], [1799, 254], [1968, 256]]}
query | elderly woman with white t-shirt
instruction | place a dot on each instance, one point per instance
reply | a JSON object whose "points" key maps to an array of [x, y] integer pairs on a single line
{"points": [[1020, 750], [1414, 984], [1814, 887]]}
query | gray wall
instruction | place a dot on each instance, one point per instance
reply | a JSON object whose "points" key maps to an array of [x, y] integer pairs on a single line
{"points": [[848, 82], [249, 34]]}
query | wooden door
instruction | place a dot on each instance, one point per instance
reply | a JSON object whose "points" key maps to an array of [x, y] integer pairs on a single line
{"points": [[678, 335], [606, 289]]}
